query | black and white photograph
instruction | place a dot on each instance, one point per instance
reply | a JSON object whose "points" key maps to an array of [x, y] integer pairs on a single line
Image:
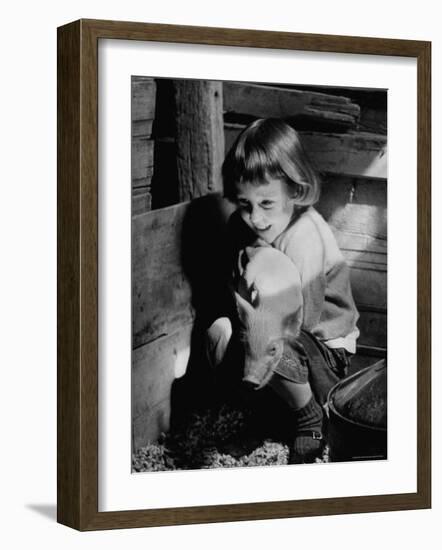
{"points": [[259, 274]]}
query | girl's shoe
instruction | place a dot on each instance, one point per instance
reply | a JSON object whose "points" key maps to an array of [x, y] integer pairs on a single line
{"points": [[308, 443]]}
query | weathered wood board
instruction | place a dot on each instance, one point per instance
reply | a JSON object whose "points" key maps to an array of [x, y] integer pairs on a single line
{"points": [[199, 137], [261, 101], [141, 200], [162, 317], [373, 328], [372, 103], [367, 258], [357, 154], [352, 154], [143, 99], [154, 368], [356, 209], [357, 206], [142, 128], [142, 160], [160, 291]]}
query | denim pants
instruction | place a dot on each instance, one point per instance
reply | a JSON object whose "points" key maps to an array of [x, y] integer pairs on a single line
{"points": [[314, 362]]}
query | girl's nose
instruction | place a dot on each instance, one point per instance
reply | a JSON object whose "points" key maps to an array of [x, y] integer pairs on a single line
{"points": [[256, 217]]}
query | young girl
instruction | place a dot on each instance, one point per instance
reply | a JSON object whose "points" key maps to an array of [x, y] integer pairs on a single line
{"points": [[268, 176]]}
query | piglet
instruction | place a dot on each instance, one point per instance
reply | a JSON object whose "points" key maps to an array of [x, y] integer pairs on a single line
{"points": [[270, 307]]}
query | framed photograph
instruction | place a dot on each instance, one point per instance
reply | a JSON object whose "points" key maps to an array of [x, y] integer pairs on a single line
{"points": [[243, 256]]}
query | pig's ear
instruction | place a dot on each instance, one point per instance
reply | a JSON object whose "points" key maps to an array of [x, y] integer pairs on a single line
{"points": [[254, 295], [292, 324], [245, 310], [251, 251]]}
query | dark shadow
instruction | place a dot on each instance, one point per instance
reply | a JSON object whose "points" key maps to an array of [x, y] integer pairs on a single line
{"points": [[205, 261], [48, 511], [210, 241], [165, 153]]}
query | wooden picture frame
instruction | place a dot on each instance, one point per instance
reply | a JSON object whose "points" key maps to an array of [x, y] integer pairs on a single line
{"points": [[77, 459]]}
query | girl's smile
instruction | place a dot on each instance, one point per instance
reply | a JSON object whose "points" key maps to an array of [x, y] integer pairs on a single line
{"points": [[266, 208]]}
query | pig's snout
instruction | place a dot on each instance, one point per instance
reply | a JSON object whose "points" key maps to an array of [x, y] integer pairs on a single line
{"points": [[251, 382], [257, 374]]}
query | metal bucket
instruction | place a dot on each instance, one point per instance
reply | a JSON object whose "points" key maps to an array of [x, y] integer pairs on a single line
{"points": [[357, 409]]}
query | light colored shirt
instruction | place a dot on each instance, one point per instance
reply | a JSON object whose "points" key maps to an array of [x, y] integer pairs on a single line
{"points": [[330, 313]]}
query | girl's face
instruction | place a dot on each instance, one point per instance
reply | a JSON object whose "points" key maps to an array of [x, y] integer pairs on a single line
{"points": [[266, 208]]}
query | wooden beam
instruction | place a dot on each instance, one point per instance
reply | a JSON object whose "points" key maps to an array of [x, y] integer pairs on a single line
{"points": [[199, 137], [352, 154], [261, 101]]}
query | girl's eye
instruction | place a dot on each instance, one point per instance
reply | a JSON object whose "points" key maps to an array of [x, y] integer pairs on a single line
{"points": [[272, 350], [267, 204], [243, 204]]}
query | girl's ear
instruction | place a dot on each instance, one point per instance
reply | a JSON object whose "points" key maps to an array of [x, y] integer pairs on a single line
{"points": [[292, 324], [245, 310]]}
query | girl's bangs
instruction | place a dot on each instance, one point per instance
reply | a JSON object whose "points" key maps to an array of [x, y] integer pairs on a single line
{"points": [[256, 167]]}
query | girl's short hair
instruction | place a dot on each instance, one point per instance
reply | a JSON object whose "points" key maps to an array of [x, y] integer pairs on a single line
{"points": [[270, 149]]}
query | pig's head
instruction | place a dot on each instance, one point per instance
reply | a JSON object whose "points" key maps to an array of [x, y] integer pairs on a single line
{"points": [[264, 334]]}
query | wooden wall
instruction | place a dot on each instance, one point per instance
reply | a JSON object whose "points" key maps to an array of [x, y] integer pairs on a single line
{"points": [[143, 113], [178, 158]]}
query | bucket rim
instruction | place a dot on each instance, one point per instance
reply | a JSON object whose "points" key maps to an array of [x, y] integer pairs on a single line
{"points": [[331, 406]]}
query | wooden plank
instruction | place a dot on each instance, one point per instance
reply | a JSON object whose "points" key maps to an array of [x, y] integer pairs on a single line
{"points": [[141, 200], [161, 294], [356, 210], [372, 102], [142, 158], [352, 154], [361, 219], [355, 205], [199, 137], [358, 154], [369, 284], [373, 327], [146, 181], [367, 260], [143, 98], [142, 128], [260, 101], [141, 183], [154, 368], [350, 241]]}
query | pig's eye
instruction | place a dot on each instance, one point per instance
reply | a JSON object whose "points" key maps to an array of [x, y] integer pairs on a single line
{"points": [[272, 350]]}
